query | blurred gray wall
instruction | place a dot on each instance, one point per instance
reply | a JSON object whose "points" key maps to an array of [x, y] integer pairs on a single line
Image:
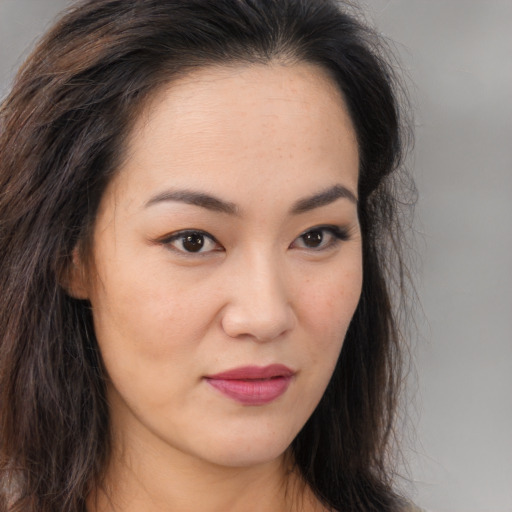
{"points": [[458, 56], [458, 53]]}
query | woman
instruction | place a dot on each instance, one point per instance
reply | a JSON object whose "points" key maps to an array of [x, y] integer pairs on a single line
{"points": [[196, 215]]}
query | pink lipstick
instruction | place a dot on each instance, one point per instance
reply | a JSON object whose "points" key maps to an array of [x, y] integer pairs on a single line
{"points": [[253, 385]]}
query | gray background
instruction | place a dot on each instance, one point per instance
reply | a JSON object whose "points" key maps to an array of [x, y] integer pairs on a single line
{"points": [[458, 56]]}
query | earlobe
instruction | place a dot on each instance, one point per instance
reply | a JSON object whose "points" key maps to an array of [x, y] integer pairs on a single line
{"points": [[74, 278]]}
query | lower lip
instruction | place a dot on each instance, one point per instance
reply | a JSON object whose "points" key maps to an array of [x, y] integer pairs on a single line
{"points": [[252, 391]]}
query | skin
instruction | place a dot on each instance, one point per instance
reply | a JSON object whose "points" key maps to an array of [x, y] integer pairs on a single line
{"points": [[261, 139]]}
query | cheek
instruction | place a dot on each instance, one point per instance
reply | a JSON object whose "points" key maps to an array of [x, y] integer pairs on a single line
{"points": [[328, 307], [326, 312], [148, 334], [144, 315]]}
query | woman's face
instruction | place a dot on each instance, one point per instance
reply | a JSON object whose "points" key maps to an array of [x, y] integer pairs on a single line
{"points": [[227, 263]]}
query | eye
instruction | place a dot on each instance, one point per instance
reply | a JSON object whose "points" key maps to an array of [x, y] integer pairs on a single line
{"points": [[191, 242], [320, 238]]}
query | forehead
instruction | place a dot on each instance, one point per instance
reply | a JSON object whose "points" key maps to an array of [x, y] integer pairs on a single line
{"points": [[272, 124]]}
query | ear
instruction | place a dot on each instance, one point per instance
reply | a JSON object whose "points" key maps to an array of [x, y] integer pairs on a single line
{"points": [[74, 278]]}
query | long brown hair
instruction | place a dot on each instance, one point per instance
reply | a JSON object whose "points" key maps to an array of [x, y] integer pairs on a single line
{"points": [[62, 134]]}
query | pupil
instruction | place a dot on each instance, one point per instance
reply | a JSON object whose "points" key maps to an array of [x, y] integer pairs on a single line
{"points": [[313, 238], [193, 242]]}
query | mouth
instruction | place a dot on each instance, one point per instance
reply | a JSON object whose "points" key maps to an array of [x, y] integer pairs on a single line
{"points": [[253, 385]]}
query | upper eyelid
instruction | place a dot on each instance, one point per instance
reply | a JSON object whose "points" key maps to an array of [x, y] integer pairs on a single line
{"points": [[176, 234], [326, 227], [337, 231], [333, 228], [167, 243]]}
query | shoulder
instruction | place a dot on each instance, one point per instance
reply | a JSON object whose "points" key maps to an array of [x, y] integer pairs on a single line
{"points": [[410, 507]]}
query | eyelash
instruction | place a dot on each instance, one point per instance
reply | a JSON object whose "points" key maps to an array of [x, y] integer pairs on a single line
{"points": [[338, 235], [181, 235]]}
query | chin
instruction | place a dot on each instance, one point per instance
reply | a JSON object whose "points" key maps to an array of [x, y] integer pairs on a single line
{"points": [[233, 451]]}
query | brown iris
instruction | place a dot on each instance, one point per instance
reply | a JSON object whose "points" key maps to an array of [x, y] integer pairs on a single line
{"points": [[193, 242], [313, 238]]}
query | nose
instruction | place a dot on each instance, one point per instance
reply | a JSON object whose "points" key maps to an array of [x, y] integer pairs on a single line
{"points": [[258, 305]]}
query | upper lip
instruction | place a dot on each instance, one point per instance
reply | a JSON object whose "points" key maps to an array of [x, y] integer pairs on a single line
{"points": [[254, 372]]}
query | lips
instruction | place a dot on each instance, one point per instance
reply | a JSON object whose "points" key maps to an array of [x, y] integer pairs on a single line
{"points": [[253, 385]]}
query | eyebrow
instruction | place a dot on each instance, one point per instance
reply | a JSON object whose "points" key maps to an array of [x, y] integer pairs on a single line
{"points": [[215, 204], [323, 198], [197, 199]]}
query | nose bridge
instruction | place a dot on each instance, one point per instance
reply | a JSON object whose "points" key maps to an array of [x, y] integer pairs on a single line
{"points": [[259, 304]]}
